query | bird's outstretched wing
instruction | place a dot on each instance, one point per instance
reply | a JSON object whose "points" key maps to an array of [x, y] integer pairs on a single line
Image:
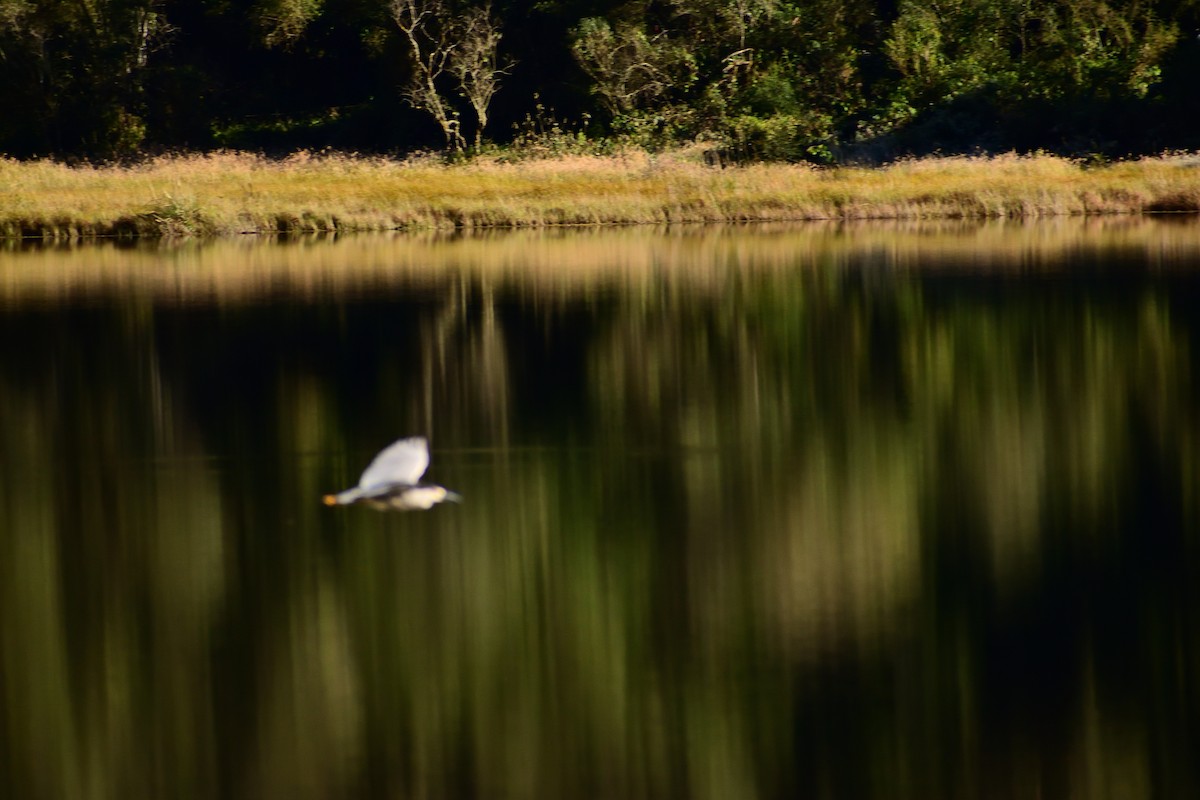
{"points": [[404, 461]]}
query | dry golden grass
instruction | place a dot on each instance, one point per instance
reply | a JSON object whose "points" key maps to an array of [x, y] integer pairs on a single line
{"points": [[224, 193]]}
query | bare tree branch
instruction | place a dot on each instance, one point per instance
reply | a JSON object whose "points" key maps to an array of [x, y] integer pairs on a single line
{"points": [[431, 46], [629, 68], [474, 63], [463, 48]]}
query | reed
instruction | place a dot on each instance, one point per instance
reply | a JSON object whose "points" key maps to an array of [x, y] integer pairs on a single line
{"points": [[229, 193]]}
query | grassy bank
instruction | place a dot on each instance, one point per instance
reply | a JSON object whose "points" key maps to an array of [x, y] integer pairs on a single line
{"points": [[232, 193]]}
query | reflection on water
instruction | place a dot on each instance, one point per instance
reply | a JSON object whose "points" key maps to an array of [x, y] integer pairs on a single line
{"points": [[841, 511]]}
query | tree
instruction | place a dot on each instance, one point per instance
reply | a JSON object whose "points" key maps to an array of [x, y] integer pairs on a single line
{"points": [[423, 23], [1020, 50], [283, 21], [474, 63], [631, 70], [463, 47], [75, 71]]}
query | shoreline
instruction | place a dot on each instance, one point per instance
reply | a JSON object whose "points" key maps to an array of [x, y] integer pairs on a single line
{"points": [[225, 194]]}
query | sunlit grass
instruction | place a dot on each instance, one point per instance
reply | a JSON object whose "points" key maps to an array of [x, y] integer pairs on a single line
{"points": [[225, 193]]}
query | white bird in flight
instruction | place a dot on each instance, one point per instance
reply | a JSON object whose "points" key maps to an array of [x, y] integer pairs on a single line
{"points": [[393, 481]]}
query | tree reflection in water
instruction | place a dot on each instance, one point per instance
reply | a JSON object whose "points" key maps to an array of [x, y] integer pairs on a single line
{"points": [[824, 512]]}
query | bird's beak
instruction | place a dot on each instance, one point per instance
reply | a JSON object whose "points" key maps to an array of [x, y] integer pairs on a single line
{"points": [[329, 500], [453, 497]]}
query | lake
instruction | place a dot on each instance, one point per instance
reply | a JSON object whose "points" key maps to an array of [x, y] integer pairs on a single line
{"points": [[827, 511]]}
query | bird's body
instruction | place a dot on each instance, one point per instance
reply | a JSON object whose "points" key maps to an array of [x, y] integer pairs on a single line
{"points": [[393, 481]]}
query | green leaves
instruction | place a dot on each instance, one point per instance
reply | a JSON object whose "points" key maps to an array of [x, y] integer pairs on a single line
{"points": [[630, 69], [284, 21], [1016, 50], [112, 78]]}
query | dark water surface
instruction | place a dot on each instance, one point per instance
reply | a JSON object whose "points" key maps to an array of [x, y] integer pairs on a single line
{"points": [[822, 512]]}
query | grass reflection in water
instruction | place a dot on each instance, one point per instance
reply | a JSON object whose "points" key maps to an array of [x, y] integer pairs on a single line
{"points": [[829, 512]]}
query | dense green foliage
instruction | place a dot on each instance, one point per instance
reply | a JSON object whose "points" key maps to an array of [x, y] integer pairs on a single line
{"points": [[780, 79]]}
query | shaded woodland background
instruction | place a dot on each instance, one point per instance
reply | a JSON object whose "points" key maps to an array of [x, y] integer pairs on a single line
{"points": [[818, 80]]}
